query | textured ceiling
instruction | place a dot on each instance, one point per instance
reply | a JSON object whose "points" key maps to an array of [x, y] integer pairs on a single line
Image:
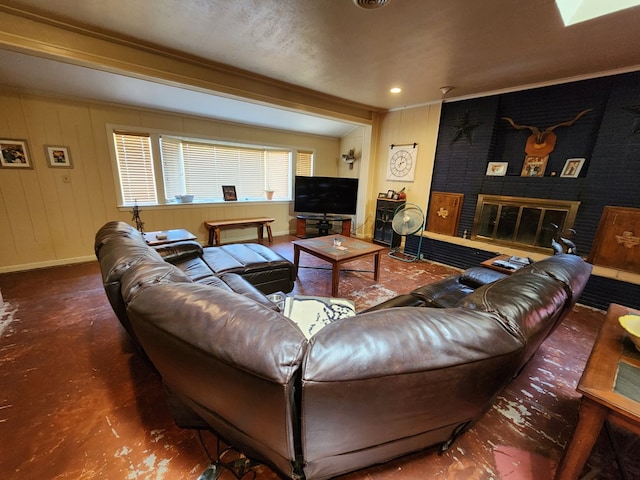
{"points": [[333, 47]]}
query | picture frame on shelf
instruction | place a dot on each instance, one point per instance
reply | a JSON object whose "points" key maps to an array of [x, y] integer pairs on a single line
{"points": [[229, 193], [497, 169], [572, 168], [58, 156], [15, 154], [534, 166]]}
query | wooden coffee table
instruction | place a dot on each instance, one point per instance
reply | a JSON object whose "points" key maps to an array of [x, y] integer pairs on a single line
{"points": [[349, 250], [600, 399]]}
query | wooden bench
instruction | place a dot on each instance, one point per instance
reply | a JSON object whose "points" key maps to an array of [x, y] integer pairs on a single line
{"points": [[215, 226]]}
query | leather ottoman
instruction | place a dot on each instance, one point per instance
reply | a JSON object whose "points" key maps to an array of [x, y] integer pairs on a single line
{"points": [[259, 265]]}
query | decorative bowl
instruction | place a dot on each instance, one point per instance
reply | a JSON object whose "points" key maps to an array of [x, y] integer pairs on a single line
{"points": [[184, 198], [631, 324]]}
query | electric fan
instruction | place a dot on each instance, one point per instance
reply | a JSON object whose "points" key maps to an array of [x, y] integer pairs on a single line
{"points": [[408, 219]]}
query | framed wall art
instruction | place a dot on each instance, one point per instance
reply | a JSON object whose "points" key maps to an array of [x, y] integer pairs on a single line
{"points": [[572, 167], [534, 166], [229, 193], [401, 164], [58, 157], [15, 154], [497, 169]]}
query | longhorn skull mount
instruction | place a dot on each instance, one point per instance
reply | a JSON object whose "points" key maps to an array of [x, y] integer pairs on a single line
{"points": [[543, 141]]}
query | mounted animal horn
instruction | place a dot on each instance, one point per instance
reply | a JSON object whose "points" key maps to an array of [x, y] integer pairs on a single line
{"points": [[542, 142]]}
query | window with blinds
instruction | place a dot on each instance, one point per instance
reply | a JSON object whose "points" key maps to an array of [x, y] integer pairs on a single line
{"points": [[135, 168], [304, 163], [200, 168]]}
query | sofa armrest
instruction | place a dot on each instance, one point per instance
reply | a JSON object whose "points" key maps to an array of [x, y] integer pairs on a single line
{"points": [[172, 252]]}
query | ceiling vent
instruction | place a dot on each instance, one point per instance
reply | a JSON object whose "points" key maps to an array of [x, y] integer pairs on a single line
{"points": [[370, 4]]}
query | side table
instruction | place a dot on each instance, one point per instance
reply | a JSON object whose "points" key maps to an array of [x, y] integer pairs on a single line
{"points": [[601, 399], [168, 236], [503, 264]]}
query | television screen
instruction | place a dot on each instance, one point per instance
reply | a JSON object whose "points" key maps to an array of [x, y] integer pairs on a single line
{"points": [[325, 195]]}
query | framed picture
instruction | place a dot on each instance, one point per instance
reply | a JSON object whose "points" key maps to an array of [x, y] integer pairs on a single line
{"points": [[572, 167], [534, 166], [497, 169], [58, 157], [229, 192], [15, 154]]}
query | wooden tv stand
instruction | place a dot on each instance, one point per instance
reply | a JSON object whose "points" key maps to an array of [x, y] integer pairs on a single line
{"points": [[322, 224]]}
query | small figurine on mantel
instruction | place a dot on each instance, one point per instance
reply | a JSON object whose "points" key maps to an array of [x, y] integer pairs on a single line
{"points": [[136, 218]]}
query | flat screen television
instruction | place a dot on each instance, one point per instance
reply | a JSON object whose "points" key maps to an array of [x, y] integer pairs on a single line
{"points": [[325, 195]]}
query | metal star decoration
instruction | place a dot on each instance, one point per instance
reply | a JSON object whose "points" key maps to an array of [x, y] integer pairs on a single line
{"points": [[463, 128]]}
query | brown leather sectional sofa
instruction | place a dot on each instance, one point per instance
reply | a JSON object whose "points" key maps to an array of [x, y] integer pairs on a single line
{"points": [[363, 390]]}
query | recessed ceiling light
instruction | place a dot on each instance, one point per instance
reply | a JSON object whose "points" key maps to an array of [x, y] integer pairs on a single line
{"points": [[395, 90]]}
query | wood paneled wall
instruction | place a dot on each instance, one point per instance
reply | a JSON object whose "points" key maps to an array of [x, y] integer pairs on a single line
{"points": [[46, 221]]}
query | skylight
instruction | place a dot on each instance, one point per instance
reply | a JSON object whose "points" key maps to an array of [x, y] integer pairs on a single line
{"points": [[576, 11]]}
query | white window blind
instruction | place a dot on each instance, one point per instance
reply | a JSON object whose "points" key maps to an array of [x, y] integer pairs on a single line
{"points": [[172, 168], [206, 167], [304, 163], [135, 168], [200, 168]]}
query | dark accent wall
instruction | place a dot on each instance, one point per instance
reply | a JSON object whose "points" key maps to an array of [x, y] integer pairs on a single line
{"points": [[472, 133], [604, 137]]}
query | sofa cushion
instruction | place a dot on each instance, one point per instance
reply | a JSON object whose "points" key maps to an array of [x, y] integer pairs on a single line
{"points": [[145, 274], [239, 285], [526, 305], [570, 270]]}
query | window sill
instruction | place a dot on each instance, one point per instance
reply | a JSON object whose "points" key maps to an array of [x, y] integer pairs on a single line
{"points": [[164, 206]]}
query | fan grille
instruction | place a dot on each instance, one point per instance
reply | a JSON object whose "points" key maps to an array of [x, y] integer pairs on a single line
{"points": [[407, 220]]}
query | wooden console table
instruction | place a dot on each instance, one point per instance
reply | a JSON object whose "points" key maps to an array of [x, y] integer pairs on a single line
{"points": [[601, 398], [215, 226], [323, 224]]}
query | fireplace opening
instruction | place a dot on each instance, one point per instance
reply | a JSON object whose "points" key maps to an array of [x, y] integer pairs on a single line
{"points": [[527, 223]]}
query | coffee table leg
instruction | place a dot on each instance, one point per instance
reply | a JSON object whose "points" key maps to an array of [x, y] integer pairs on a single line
{"points": [[376, 266], [296, 258], [335, 279]]}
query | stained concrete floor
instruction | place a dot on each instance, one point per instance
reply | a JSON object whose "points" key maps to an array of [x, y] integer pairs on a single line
{"points": [[77, 401]]}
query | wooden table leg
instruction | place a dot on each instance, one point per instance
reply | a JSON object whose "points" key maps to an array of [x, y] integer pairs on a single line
{"points": [[260, 232], [335, 279], [591, 418], [296, 258], [269, 233], [376, 266], [211, 236], [216, 233]]}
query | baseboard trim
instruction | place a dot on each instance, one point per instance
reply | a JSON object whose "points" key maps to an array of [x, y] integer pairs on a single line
{"points": [[48, 263]]}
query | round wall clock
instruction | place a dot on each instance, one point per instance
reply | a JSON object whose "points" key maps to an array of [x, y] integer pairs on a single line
{"points": [[401, 166]]}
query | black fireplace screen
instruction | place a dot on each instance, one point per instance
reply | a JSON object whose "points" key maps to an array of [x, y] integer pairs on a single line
{"points": [[529, 223]]}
